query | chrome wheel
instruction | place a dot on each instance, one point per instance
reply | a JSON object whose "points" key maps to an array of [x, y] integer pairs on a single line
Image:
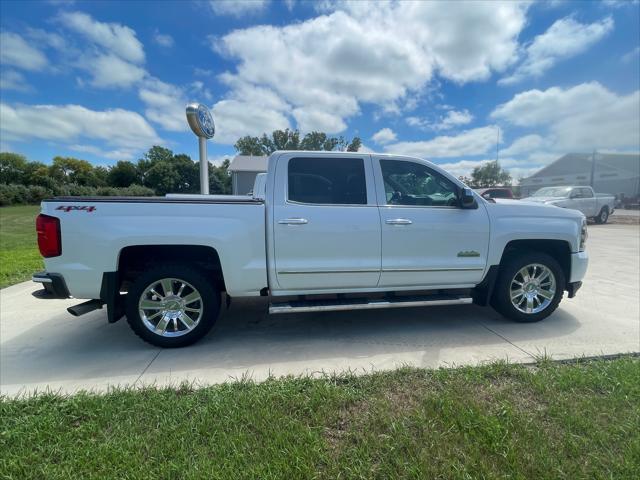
{"points": [[170, 307], [532, 288]]}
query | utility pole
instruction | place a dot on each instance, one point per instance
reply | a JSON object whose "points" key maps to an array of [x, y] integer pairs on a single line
{"points": [[593, 169], [497, 143]]}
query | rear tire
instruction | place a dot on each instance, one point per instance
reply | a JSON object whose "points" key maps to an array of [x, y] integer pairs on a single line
{"points": [[603, 216], [540, 280], [172, 305]]}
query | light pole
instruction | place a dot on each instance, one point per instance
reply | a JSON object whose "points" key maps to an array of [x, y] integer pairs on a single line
{"points": [[201, 122]]}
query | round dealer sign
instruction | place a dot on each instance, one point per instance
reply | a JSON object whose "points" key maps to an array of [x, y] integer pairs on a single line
{"points": [[200, 120]]}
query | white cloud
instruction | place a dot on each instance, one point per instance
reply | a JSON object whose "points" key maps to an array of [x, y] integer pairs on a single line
{"points": [[453, 118], [68, 123], [118, 154], [249, 111], [516, 168], [631, 55], [15, 51], [117, 39], [565, 38], [12, 80], [165, 104], [525, 144], [111, 71], [386, 135], [579, 118], [477, 141], [325, 67], [163, 39], [237, 8], [310, 119]]}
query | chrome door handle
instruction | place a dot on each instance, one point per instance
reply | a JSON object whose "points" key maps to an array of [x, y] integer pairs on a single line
{"points": [[398, 221], [293, 221]]}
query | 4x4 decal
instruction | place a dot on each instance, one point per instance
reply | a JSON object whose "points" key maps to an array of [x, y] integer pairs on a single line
{"points": [[84, 208]]}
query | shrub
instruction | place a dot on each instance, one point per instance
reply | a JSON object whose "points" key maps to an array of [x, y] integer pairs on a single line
{"points": [[12, 194]]}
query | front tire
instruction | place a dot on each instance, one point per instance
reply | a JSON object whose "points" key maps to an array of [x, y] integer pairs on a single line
{"points": [[529, 287], [603, 216], [172, 306]]}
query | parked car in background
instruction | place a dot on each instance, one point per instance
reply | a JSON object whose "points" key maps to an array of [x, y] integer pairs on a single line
{"points": [[387, 230], [597, 206], [495, 192]]}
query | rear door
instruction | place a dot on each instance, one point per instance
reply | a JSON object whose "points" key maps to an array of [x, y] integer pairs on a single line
{"points": [[427, 239], [588, 204], [326, 226]]}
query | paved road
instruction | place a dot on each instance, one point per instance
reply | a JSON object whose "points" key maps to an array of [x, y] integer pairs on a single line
{"points": [[42, 346]]}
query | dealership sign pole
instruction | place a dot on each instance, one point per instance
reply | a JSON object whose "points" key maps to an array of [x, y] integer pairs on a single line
{"points": [[201, 122]]}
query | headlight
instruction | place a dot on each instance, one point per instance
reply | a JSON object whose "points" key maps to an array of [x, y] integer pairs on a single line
{"points": [[583, 235]]}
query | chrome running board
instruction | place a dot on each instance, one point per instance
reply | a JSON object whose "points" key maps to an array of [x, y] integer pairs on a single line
{"points": [[299, 306]]}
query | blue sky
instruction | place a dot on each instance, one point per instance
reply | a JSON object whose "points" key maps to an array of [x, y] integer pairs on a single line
{"points": [[106, 80]]}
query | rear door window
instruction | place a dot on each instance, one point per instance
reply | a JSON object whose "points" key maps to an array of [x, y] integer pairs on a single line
{"points": [[586, 193], [327, 181]]}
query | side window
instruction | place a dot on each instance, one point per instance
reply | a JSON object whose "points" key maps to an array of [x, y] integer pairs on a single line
{"points": [[410, 183], [328, 180], [586, 193], [500, 194]]}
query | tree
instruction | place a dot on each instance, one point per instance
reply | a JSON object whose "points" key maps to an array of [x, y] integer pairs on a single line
{"points": [[290, 140], [162, 177], [219, 178], [490, 174], [13, 167], [73, 170], [187, 173], [123, 174], [250, 146]]}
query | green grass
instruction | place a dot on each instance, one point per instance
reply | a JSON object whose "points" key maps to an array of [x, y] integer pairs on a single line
{"points": [[19, 256], [553, 421]]}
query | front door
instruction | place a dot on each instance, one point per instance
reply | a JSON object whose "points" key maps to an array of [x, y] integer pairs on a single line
{"points": [[326, 224], [427, 239]]}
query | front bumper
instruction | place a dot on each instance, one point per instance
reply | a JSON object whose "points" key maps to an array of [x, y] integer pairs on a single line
{"points": [[579, 264], [53, 283]]}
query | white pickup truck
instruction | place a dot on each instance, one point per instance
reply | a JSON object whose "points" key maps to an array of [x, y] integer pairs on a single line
{"points": [[327, 231], [593, 205]]}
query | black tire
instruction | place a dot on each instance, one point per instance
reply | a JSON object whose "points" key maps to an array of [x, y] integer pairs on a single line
{"points": [[603, 216], [210, 304], [501, 300]]}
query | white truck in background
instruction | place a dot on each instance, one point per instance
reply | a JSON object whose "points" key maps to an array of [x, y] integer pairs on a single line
{"points": [[592, 205], [323, 231]]}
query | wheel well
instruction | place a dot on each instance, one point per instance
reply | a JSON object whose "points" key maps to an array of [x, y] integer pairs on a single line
{"points": [[136, 259], [558, 249]]}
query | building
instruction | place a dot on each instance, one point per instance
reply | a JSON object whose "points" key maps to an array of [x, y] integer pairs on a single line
{"points": [[244, 169], [613, 173]]}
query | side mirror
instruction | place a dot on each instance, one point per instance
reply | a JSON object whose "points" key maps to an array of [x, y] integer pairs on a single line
{"points": [[468, 199]]}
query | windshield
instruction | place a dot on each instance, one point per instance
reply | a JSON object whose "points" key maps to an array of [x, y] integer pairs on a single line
{"points": [[553, 192]]}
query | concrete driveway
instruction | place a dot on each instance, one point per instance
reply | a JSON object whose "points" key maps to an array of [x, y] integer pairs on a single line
{"points": [[44, 347]]}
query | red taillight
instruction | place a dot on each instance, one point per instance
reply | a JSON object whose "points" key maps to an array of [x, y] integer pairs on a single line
{"points": [[49, 240]]}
